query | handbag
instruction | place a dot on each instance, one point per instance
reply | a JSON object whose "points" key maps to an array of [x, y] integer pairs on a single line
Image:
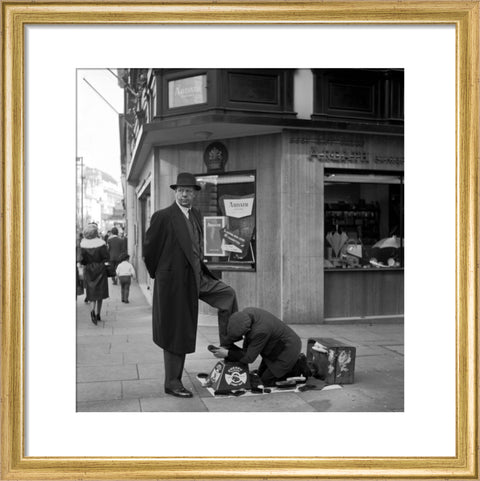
{"points": [[110, 268]]}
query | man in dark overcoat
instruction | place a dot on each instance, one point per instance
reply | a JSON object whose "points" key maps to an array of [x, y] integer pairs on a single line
{"points": [[267, 336], [173, 256], [116, 248]]}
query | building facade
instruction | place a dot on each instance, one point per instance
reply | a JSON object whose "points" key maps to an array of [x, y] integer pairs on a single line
{"points": [[99, 199], [302, 181]]}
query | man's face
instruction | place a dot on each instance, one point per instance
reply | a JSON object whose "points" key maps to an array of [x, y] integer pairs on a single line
{"points": [[185, 196]]}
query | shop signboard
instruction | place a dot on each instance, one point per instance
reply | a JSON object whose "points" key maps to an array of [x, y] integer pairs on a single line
{"points": [[352, 151], [187, 91]]}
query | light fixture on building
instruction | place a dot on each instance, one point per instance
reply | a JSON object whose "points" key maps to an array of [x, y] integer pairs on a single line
{"points": [[203, 134]]}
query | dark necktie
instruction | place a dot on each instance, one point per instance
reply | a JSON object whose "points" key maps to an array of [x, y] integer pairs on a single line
{"points": [[194, 226], [192, 222]]}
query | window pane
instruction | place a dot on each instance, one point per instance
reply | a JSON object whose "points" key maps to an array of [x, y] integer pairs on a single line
{"points": [[363, 221]]}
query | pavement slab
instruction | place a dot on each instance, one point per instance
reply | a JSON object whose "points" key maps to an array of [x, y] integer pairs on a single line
{"points": [[172, 404], [90, 329], [142, 388], [152, 370], [96, 348], [99, 391], [278, 402], [93, 339], [135, 347], [139, 356], [338, 400], [122, 405], [107, 373], [99, 358]]}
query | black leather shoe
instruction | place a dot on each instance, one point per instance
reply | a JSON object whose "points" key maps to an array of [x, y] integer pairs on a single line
{"points": [[94, 317], [179, 392]]}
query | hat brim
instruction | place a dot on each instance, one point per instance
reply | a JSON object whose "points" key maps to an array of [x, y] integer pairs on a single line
{"points": [[174, 186]]}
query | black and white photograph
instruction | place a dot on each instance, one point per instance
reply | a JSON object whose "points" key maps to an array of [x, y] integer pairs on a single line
{"points": [[240, 240]]}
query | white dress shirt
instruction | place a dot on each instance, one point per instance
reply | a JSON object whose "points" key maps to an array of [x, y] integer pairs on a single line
{"points": [[185, 210]]}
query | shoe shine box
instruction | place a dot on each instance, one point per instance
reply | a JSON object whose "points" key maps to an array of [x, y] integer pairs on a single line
{"points": [[331, 361], [229, 376]]}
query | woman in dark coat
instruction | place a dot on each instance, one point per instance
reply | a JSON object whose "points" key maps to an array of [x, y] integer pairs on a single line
{"points": [[94, 254], [267, 336]]}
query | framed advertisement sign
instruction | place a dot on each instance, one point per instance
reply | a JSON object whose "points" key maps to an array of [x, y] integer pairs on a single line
{"points": [[212, 236], [230, 235]]}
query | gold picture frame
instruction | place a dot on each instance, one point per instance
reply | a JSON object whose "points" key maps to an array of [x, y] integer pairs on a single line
{"points": [[464, 15]]}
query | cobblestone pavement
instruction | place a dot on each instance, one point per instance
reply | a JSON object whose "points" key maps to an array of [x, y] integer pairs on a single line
{"points": [[120, 369]]}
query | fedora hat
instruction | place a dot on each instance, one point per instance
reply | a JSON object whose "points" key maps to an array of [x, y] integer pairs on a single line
{"points": [[185, 179]]}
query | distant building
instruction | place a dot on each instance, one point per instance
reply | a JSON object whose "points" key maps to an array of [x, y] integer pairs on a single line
{"points": [[102, 200]]}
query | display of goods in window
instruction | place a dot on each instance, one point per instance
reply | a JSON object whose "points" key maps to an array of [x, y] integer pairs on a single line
{"points": [[331, 361]]}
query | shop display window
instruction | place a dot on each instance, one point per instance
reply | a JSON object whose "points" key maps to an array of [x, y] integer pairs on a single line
{"points": [[363, 220], [227, 204]]}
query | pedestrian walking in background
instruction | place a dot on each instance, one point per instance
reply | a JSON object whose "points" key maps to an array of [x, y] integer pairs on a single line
{"points": [[79, 267], [94, 254], [124, 239], [115, 249], [174, 258], [267, 336], [125, 272]]}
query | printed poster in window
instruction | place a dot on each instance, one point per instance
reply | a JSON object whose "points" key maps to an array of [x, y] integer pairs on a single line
{"points": [[213, 227], [238, 234]]}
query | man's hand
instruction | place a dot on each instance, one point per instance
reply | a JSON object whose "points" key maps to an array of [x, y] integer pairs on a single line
{"points": [[221, 353]]}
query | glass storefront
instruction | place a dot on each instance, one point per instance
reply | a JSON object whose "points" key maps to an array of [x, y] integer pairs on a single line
{"points": [[363, 220]]}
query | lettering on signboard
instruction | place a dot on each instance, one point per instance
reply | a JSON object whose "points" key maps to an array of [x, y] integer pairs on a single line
{"points": [[239, 207], [337, 149], [184, 91], [330, 139], [338, 156], [389, 160]]}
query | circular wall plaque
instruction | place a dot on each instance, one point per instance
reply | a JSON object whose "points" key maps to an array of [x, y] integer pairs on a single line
{"points": [[215, 157]]}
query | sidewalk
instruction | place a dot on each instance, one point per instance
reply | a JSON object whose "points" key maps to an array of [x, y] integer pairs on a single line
{"points": [[120, 369]]}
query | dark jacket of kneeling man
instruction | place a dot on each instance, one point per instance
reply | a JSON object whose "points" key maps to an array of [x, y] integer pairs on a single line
{"points": [[264, 335]]}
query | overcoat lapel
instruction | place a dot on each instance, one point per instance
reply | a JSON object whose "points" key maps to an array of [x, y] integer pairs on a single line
{"points": [[181, 229]]}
